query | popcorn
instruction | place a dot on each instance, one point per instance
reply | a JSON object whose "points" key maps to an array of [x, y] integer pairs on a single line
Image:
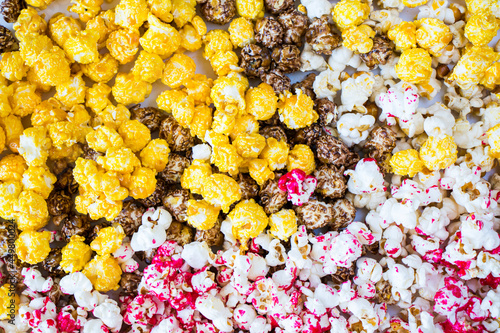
{"points": [[213, 308], [301, 157], [129, 90], [406, 162], [312, 61], [196, 254], [221, 191], [195, 176], [160, 38], [348, 13], [451, 297], [438, 9], [178, 70], [358, 39], [241, 215], [433, 35], [34, 281], [481, 29], [75, 254], [296, 111], [109, 313], [241, 32], [259, 170], [414, 66], [131, 13], [365, 178], [299, 186], [104, 273], [201, 214], [33, 247], [354, 127], [438, 152], [251, 10], [151, 234], [225, 156], [148, 67], [108, 240]]}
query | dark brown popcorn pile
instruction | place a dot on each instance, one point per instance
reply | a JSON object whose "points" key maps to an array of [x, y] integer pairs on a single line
{"points": [[331, 181], [177, 137], [248, 186], [149, 116], [382, 51], [306, 85], [174, 169], [295, 25], [7, 40], [52, 263], [268, 32], [218, 11], [286, 58], [321, 36], [72, 224], [271, 197], [10, 9], [213, 236], [255, 60], [276, 79], [278, 6], [175, 201]]}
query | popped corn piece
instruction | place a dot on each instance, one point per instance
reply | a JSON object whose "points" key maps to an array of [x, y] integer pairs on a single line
{"points": [[178, 70], [135, 134], [199, 24], [48, 112], [259, 171], [39, 180], [195, 176], [82, 47], [123, 44], [12, 167], [216, 41], [13, 128], [32, 46], [301, 157], [433, 35], [72, 92], [86, 9], [438, 152], [148, 67], [142, 183], [246, 124], [241, 32], [225, 156], [198, 88], [250, 9], [75, 255], [108, 240], [155, 155], [414, 66], [201, 215], [61, 27], [130, 90], [104, 24], [32, 78], [102, 70], [161, 9], [358, 38], [5, 93], [183, 111], [104, 138], [119, 159], [70, 153], [348, 13], [29, 22], [249, 145], [297, 111], [248, 220], [404, 35], [283, 224], [261, 101], [113, 116], [183, 11], [406, 163], [2, 140], [491, 77], [414, 3], [494, 140], [228, 90], [9, 301], [479, 6], [471, 67], [191, 40], [275, 153], [131, 14], [9, 191], [221, 191], [33, 247], [104, 272], [223, 122], [24, 98], [12, 66], [169, 99], [98, 206], [201, 122], [481, 28], [161, 38], [31, 210], [97, 97], [34, 145]]}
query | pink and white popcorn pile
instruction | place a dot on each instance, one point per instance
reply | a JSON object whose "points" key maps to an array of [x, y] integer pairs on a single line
{"points": [[298, 185]]}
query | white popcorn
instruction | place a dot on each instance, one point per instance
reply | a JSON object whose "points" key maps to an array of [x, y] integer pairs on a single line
{"points": [[326, 84], [203, 280], [480, 156], [356, 91], [124, 257], [397, 4], [478, 232], [490, 116], [277, 254], [152, 232], [244, 315], [441, 122], [450, 54], [168, 325], [326, 295], [95, 326], [260, 325], [109, 313], [433, 222], [467, 135], [311, 61], [202, 151], [369, 269], [365, 312], [258, 266], [438, 9], [354, 127], [196, 254], [342, 57], [388, 70], [488, 264], [394, 238], [74, 282], [365, 178], [213, 308], [385, 19], [34, 280], [317, 8], [339, 325], [492, 303], [401, 278], [226, 228], [89, 300]]}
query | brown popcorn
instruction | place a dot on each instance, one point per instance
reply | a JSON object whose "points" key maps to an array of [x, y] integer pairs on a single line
{"points": [[72, 224], [56, 295], [149, 116], [286, 58], [331, 181], [268, 32], [66, 181], [314, 214], [382, 51], [271, 197], [343, 274], [176, 203], [213, 236], [130, 218], [10, 9], [51, 263], [276, 132], [130, 281], [58, 203], [89, 153], [219, 11], [180, 233], [372, 249], [248, 186], [146, 256], [155, 199], [295, 25], [7, 40], [306, 86], [327, 111], [177, 137], [332, 150], [255, 60], [344, 213], [384, 293], [321, 37], [382, 140], [276, 79], [308, 135], [278, 6], [174, 169]]}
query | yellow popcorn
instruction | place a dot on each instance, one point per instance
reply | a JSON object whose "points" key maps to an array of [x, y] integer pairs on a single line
{"points": [[148, 67], [199, 25], [29, 22], [34, 145], [83, 170], [198, 88], [301, 157], [13, 128], [250, 9], [160, 38], [97, 97], [201, 122], [283, 224], [131, 14], [104, 24], [42, 4], [155, 155], [104, 138], [471, 67], [5, 93], [201, 215], [494, 140], [248, 220], [241, 32], [123, 44], [86, 9], [72, 92], [348, 13], [404, 35], [12, 167], [183, 11], [169, 99], [414, 3], [31, 210], [228, 90], [32, 46], [48, 112], [224, 122], [216, 41], [63, 134], [194, 177], [221, 191], [406, 163], [121, 160], [32, 78], [261, 101], [103, 70], [358, 38], [297, 111], [33, 247], [178, 70], [161, 9], [9, 192], [61, 27], [491, 76], [108, 240], [82, 47], [24, 98], [249, 145], [113, 116], [438, 152], [9, 301], [191, 40], [275, 153], [414, 66], [226, 158], [97, 205], [246, 124], [104, 272], [75, 255], [142, 183], [223, 62], [39, 180], [135, 134], [70, 153], [184, 111], [481, 28], [433, 35], [12, 66], [130, 90], [259, 170]]}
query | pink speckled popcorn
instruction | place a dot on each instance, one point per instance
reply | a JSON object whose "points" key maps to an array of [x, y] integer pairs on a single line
{"points": [[298, 185]]}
